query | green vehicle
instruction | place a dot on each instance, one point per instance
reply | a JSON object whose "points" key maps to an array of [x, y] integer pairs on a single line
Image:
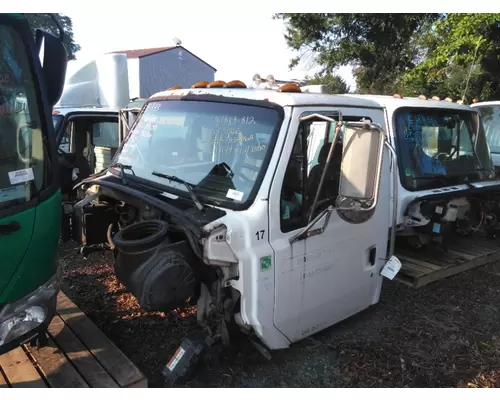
{"points": [[32, 72]]}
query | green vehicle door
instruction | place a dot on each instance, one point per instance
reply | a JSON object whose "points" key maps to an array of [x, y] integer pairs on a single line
{"points": [[23, 155]]}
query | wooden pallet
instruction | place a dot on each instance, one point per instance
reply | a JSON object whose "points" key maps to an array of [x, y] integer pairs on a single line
{"points": [[78, 355], [420, 269]]}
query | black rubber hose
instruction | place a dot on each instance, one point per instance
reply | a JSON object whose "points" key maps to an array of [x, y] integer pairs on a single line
{"points": [[141, 235]]}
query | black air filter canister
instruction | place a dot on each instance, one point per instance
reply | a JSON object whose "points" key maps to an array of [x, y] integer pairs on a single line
{"points": [[156, 274]]}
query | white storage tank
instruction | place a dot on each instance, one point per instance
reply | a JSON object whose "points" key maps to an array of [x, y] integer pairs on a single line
{"points": [[102, 82]]}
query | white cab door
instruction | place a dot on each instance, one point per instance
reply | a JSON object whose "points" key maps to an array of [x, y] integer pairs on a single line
{"points": [[325, 278]]}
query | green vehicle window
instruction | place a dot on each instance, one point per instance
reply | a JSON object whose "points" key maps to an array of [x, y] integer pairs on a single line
{"points": [[22, 157]]}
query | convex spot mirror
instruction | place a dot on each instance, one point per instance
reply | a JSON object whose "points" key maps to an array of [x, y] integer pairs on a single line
{"points": [[361, 163]]}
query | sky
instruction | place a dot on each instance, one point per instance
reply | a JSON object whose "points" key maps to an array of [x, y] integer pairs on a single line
{"points": [[237, 47], [239, 39]]}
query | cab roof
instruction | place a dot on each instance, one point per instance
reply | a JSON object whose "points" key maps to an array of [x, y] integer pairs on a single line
{"points": [[83, 110], [486, 104], [393, 102], [281, 98], [313, 99]]}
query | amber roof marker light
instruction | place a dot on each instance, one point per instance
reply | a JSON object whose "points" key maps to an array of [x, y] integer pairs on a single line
{"points": [[216, 84], [200, 85], [235, 85], [175, 88], [290, 88]]}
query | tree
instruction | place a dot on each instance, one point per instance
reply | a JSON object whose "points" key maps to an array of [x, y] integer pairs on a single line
{"points": [[463, 58], [381, 47], [334, 83], [45, 22]]}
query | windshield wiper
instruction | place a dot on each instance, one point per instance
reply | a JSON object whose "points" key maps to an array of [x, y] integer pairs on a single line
{"points": [[483, 170], [463, 178], [122, 168], [189, 187]]}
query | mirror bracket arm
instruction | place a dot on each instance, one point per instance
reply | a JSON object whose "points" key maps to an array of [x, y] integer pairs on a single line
{"points": [[395, 193], [305, 232], [323, 175]]}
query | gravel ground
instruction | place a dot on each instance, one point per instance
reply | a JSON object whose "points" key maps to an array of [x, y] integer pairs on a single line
{"points": [[444, 335]]}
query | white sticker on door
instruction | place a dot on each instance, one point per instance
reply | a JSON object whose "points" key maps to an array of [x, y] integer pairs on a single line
{"points": [[234, 194], [391, 268], [21, 176]]}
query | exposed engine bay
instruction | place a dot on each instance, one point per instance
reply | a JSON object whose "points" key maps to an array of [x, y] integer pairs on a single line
{"points": [[436, 221], [166, 260]]}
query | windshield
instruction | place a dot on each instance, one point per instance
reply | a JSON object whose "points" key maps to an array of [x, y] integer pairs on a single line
{"points": [[221, 149], [491, 122], [21, 144], [439, 147]]}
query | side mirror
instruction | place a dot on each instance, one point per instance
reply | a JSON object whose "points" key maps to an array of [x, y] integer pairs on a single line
{"points": [[54, 60], [361, 165]]}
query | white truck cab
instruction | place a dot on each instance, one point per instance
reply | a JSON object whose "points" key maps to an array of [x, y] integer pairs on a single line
{"points": [[277, 210], [490, 115], [441, 150]]}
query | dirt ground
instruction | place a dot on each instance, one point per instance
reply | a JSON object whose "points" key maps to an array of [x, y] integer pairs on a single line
{"points": [[444, 335]]}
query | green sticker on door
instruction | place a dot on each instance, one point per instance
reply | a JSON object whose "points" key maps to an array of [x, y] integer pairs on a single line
{"points": [[265, 263]]}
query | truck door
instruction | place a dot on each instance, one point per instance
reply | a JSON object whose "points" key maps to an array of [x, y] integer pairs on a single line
{"points": [[332, 274]]}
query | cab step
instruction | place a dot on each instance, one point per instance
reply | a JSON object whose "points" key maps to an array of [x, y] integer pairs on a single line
{"points": [[433, 264]]}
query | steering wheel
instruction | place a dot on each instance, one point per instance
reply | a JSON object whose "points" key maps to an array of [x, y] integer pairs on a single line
{"points": [[438, 156], [227, 168]]}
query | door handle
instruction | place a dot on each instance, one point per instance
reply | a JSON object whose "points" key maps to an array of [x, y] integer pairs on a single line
{"points": [[11, 227], [372, 255]]}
